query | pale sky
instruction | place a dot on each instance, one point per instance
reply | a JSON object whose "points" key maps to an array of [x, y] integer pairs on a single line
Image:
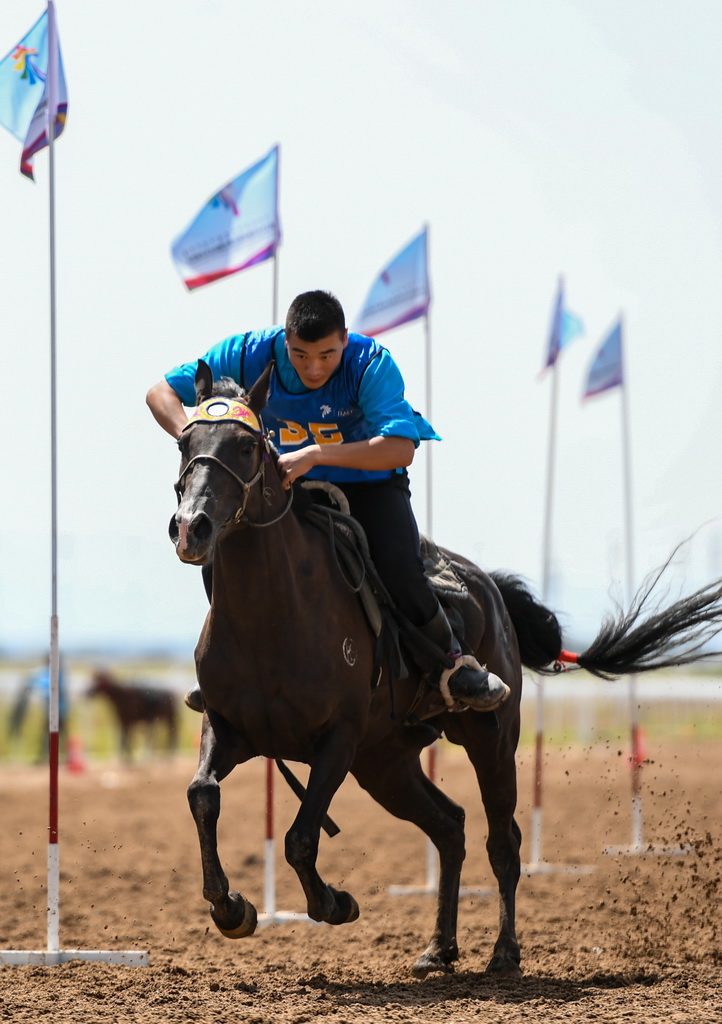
{"points": [[535, 139]]}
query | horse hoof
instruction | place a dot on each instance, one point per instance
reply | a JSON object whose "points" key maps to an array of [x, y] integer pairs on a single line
{"points": [[428, 963], [503, 967], [345, 910], [242, 909]]}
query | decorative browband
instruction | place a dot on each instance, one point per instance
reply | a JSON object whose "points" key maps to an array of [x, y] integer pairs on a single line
{"points": [[215, 409]]}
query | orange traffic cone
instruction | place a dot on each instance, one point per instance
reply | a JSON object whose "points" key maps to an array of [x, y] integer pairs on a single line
{"points": [[76, 755]]}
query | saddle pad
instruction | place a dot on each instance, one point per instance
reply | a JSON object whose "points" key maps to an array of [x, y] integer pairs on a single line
{"points": [[439, 571]]}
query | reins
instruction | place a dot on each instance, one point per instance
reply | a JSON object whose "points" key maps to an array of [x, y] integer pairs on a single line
{"points": [[245, 485]]}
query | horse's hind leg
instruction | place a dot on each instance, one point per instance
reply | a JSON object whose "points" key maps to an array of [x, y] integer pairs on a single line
{"points": [[232, 914], [331, 763], [492, 755], [396, 780]]}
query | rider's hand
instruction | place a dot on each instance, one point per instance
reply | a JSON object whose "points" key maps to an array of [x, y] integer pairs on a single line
{"points": [[292, 465]]}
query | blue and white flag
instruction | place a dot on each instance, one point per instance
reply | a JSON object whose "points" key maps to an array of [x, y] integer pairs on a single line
{"points": [[32, 86], [237, 228], [607, 368], [565, 327], [400, 293]]}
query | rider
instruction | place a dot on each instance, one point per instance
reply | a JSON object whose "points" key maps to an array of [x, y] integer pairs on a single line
{"points": [[336, 404]]}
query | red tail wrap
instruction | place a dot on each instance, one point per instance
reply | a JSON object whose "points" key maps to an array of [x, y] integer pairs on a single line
{"points": [[568, 657]]}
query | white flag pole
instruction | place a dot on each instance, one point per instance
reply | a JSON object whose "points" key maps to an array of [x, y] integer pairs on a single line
{"points": [[536, 821], [637, 843], [54, 954], [536, 863], [637, 838], [428, 410], [270, 914], [274, 300], [432, 857], [54, 692]]}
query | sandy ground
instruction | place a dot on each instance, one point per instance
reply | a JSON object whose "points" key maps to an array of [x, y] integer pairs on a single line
{"points": [[635, 938]]}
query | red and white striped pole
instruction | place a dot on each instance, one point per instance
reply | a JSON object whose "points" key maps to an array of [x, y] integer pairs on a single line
{"points": [[270, 915], [537, 864], [535, 861], [53, 954]]}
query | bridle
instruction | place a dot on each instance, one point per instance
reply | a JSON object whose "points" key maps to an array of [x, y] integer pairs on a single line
{"points": [[246, 485]]}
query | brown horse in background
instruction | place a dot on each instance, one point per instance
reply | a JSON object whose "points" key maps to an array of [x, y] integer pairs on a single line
{"points": [[286, 665], [137, 705]]}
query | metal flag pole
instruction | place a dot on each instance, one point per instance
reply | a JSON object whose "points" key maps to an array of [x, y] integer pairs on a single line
{"points": [[54, 693], [54, 954], [430, 887], [428, 410], [537, 865], [637, 845], [432, 855], [270, 914], [274, 300], [432, 858]]}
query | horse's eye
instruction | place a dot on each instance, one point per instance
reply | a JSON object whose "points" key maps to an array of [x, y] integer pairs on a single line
{"points": [[247, 447]]}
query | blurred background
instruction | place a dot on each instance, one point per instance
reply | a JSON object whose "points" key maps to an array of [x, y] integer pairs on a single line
{"points": [[536, 141]]}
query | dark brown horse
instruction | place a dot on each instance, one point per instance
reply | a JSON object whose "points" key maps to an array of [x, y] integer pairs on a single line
{"points": [[137, 705], [285, 662]]}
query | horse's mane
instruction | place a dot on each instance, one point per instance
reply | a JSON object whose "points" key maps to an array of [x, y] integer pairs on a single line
{"points": [[226, 387]]}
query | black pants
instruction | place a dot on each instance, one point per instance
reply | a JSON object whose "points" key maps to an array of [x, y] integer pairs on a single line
{"points": [[383, 507]]}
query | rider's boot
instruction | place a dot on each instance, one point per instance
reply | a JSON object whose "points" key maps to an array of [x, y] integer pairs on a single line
{"points": [[466, 682], [194, 700]]}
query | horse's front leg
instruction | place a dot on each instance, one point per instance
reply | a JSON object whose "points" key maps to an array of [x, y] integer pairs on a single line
{"points": [[331, 763], [234, 916]]}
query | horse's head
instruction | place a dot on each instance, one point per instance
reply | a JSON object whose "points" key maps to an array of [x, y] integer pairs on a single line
{"points": [[224, 457], [100, 682]]}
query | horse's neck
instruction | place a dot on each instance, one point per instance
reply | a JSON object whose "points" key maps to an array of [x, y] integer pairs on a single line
{"points": [[254, 567]]}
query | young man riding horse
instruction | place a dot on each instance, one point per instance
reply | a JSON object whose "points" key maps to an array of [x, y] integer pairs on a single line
{"points": [[337, 410]]}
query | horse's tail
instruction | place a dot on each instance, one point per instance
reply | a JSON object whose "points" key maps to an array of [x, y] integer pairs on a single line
{"points": [[665, 637], [641, 640], [537, 628]]}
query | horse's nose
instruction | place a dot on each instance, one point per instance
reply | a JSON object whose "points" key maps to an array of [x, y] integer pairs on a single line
{"points": [[189, 532]]}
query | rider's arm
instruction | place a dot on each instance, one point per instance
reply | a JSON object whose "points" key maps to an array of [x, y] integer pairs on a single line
{"points": [[167, 398], [167, 408], [377, 453]]}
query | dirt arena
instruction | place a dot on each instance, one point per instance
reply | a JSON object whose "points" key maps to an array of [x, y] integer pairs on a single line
{"points": [[637, 938]]}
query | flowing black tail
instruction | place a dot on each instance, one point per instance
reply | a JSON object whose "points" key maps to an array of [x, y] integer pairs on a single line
{"points": [[643, 639], [537, 628]]}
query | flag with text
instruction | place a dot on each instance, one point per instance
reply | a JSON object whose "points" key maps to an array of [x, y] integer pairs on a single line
{"points": [[400, 293], [237, 228]]}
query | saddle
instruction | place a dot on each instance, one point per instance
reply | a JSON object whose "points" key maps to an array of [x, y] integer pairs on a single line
{"points": [[329, 511]]}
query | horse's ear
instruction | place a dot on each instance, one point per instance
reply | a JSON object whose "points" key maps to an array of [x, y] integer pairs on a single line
{"points": [[258, 395], [204, 382]]}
